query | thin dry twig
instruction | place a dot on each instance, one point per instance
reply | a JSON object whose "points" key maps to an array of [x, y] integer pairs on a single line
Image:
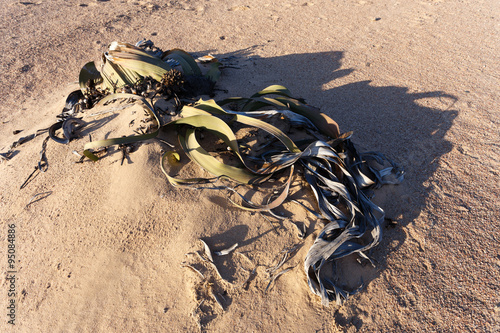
{"points": [[193, 269], [250, 274], [211, 292], [40, 196], [274, 277]]}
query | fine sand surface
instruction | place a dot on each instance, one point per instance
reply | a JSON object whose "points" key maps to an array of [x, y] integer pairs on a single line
{"points": [[416, 80]]}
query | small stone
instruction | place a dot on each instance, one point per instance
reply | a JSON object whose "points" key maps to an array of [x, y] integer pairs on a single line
{"points": [[25, 68]]}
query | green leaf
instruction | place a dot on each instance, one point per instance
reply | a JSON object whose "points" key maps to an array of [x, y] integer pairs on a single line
{"points": [[212, 107], [214, 125], [271, 205], [289, 144], [237, 100], [210, 163], [218, 127], [89, 73], [325, 124], [209, 106], [188, 111], [188, 64], [275, 90], [125, 64], [173, 158], [214, 72], [142, 65], [254, 104], [114, 76]]}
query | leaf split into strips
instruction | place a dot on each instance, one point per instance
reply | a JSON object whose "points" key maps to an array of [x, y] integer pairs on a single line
{"points": [[295, 138]]}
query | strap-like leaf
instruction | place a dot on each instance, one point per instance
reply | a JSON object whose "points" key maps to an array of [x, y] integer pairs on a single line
{"points": [[173, 158], [210, 106], [142, 64], [325, 124], [188, 64], [289, 144], [89, 73], [271, 205], [211, 164], [274, 90], [214, 72]]}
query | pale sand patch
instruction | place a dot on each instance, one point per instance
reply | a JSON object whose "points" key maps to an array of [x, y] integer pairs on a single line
{"points": [[416, 80]]}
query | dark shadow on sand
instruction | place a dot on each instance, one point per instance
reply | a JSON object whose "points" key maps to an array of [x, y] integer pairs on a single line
{"points": [[388, 119]]}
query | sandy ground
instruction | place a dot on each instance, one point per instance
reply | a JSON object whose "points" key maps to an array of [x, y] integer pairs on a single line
{"points": [[416, 80]]}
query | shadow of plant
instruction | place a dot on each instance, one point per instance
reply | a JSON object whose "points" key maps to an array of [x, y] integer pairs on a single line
{"points": [[388, 119]]}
